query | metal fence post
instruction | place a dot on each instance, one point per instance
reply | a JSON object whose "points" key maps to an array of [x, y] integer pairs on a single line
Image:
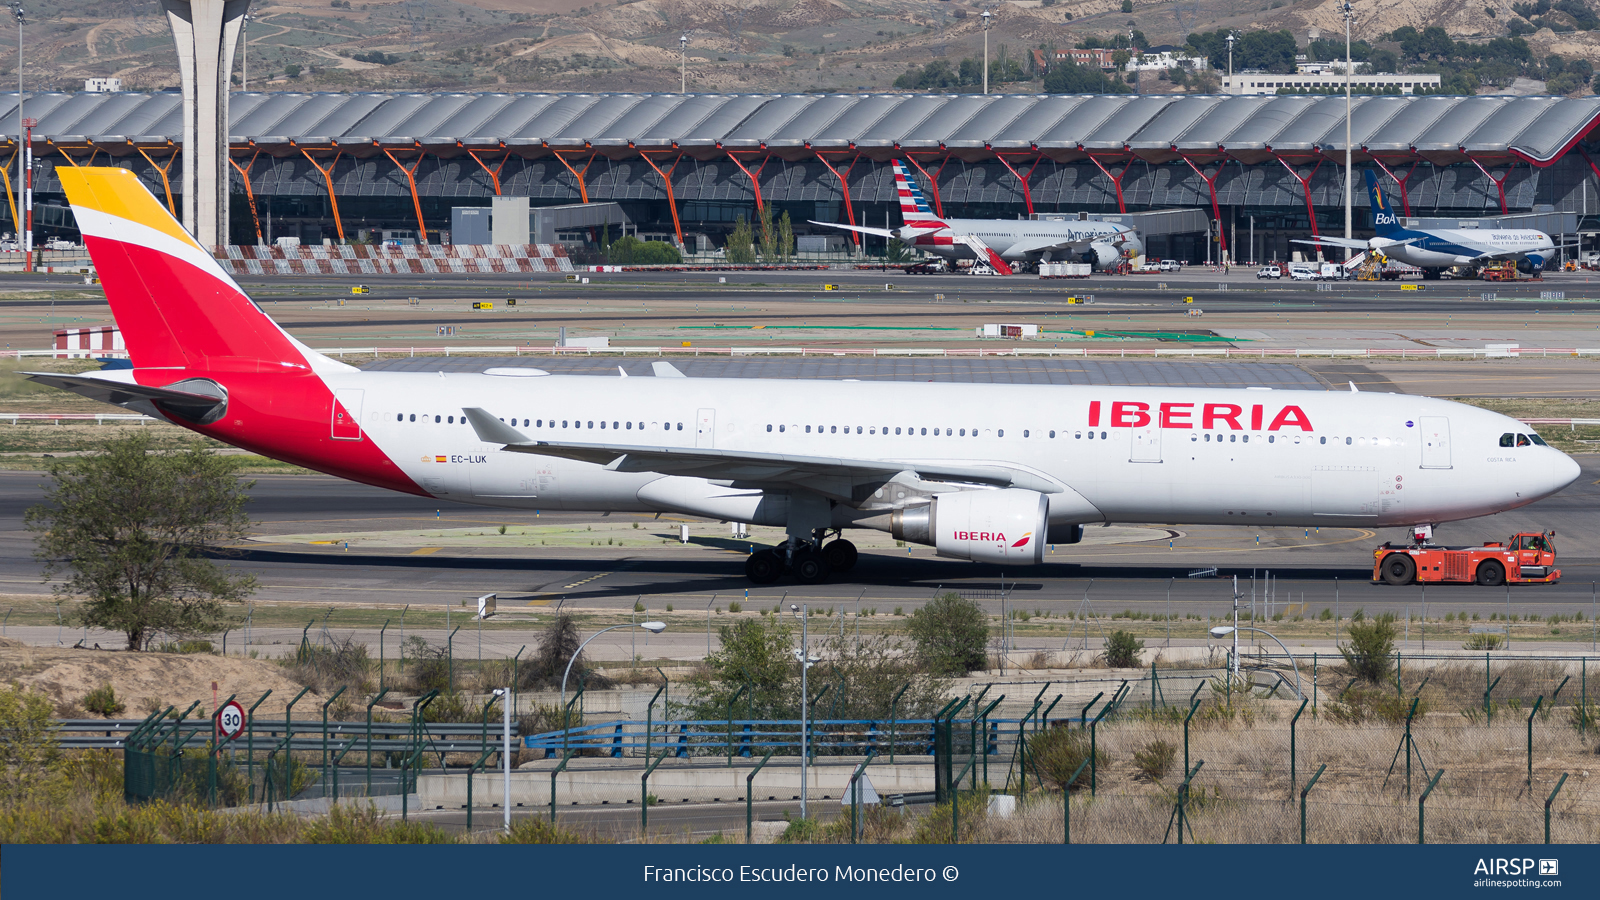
{"points": [[955, 802], [369, 737], [566, 756], [749, 804], [1422, 807], [644, 793], [450, 659], [1094, 767], [1304, 791], [893, 704], [1293, 782], [1536, 704], [250, 743], [1066, 804], [325, 737], [1194, 705], [1549, 800], [855, 796], [470, 770]]}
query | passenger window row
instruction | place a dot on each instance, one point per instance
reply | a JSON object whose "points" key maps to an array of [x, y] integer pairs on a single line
{"points": [[549, 423]]}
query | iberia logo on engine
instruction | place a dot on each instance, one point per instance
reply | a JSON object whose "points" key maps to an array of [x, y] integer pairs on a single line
{"points": [[996, 536]]}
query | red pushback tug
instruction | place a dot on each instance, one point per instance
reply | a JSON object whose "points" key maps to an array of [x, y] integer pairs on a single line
{"points": [[1528, 558]]}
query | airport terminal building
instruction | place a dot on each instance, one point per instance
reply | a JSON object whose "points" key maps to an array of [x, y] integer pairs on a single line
{"points": [[685, 167]]}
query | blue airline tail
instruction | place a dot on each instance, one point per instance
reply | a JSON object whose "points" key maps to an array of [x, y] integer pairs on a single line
{"points": [[1384, 221]]}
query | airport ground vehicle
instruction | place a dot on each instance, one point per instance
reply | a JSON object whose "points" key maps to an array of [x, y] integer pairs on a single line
{"points": [[1270, 272], [1529, 557]]}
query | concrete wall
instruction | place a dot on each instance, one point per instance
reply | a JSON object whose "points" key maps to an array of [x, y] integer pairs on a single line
{"points": [[588, 782]]}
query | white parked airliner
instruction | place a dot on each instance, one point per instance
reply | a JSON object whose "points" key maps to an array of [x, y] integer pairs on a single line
{"points": [[987, 472]]}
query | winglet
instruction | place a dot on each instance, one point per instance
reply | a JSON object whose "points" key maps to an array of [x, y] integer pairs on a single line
{"points": [[493, 431], [1353, 388], [664, 369]]}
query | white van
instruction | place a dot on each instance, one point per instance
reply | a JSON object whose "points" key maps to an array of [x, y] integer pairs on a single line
{"points": [[1303, 272]]}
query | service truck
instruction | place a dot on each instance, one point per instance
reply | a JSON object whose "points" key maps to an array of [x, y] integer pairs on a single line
{"points": [[1528, 558]]}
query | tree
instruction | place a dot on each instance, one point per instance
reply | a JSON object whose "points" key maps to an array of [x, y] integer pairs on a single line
{"points": [[1067, 77], [1122, 650], [630, 251], [1127, 6], [292, 70], [27, 738], [951, 635], [740, 246], [131, 529], [785, 237]]}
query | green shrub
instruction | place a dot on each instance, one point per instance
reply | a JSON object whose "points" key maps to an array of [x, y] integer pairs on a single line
{"points": [[951, 635], [102, 701], [1484, 642], [735, 607], [1122, 650], [1154, 760], [540, 830], [1370, 650], [1057, 752], [1363, 704], [365, 825]]}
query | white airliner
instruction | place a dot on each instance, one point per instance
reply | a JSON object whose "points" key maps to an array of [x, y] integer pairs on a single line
{"points": [[985, 472], [1000, 242], [1435, 249]]}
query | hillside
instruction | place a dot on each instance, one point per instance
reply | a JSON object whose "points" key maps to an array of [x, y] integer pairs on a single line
{"points": [[734, 45]]}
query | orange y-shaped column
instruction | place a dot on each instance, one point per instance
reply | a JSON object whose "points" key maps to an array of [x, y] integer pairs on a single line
{"points": [[1216, 211], [411, 176], [849, 211], [583, 189], [249, 192], [1305, 185], [327, 176], [666, 178], [1405, 197], [494, 173], [933, 184], [164, 170]]}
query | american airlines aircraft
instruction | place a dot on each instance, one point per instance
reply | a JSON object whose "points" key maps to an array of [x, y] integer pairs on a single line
{"points": [[983, 472], [1000, 242], [1434, 249]]}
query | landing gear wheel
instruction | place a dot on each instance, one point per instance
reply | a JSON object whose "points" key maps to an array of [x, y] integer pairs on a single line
{"points": [[810, 567], [1491, 573], [840, 555], [1399, 569], [763, 567]]}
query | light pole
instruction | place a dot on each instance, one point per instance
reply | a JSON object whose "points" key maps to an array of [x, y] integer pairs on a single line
{"points": [[1230, 62], [986, 18], [1349, 15], [1225, 630], [806, 660], [683, 63], [652, 627], [244, 46]]}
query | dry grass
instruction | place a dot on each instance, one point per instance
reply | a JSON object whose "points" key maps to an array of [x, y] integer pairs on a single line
{"points": [[1242, 793]]}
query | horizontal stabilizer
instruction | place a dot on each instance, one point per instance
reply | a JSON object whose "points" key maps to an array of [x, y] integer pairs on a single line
{"points": [[664, 369], [118, 392], [880, 232]]}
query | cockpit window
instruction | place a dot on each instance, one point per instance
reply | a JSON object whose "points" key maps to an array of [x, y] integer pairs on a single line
{"points": [[1508, 440], [1522, 441], [1537, 440]]}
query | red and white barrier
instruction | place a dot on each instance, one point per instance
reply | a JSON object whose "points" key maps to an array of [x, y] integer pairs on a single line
{"points": [[99, 340]]}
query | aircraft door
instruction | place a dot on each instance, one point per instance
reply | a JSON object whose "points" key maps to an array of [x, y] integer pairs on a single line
{"points": [[1435, 442], [1146, 445], [347, 414], [705, 428]]}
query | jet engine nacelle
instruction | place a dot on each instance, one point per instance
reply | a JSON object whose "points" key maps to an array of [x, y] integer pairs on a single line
{"points": [[1528, 265], [1103, 256], [1004, 526]]}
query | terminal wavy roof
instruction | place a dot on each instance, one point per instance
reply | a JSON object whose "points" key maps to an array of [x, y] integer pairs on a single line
{"points": [[1064, 127]]}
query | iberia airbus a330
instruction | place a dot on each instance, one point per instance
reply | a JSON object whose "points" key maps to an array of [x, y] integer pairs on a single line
{"points": [[986, 472]]}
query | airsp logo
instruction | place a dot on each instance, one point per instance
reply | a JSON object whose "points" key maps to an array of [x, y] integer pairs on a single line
{"points": [[1516, 867]]}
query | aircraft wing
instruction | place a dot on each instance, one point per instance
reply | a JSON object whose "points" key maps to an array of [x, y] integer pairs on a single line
{"points": [[1337, 242], [880, 232], [749, 467], [1031, 246]]}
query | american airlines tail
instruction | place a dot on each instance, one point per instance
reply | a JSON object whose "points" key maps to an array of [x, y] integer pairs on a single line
{"points": [[204, 354], [914, 207], [1384, 221]]}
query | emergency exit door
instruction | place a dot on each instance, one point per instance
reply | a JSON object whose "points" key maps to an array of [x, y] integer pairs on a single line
{"points": [[705, 428]]}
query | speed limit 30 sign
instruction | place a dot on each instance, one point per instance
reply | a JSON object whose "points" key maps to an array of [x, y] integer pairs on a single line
{"points": [[230, 720]]}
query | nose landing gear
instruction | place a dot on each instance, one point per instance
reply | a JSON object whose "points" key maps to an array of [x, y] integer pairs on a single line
{"points": [[810, 561]]}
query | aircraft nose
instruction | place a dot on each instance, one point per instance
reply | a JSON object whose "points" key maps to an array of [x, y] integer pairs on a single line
{"points": [[1561, 471]]}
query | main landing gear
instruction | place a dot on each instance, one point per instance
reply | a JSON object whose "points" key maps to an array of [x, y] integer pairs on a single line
{"points": [[810, 561]]}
